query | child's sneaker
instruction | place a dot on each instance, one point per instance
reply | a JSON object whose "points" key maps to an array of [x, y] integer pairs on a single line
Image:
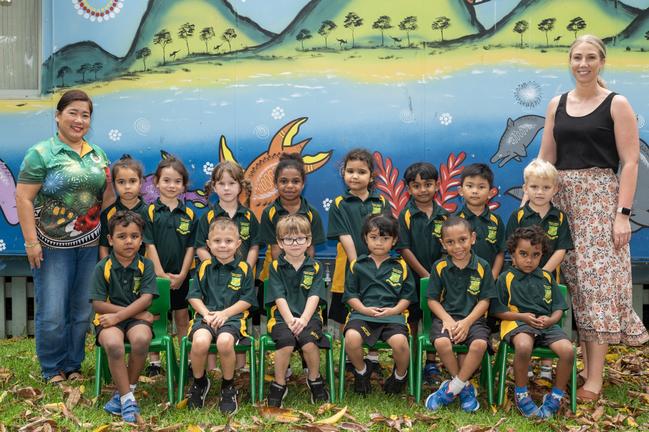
{"points": [[362, 384], [114, 405], [228, 403], [130, 410], [318, 389], [526, 405], [392, 385], [530, 372], [198, 392], [431, 372], [153, 370], [374, 367], [550, 406], [276, 394], [440, 398], [468, 401]]}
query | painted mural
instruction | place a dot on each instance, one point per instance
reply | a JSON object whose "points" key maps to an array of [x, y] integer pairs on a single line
{"points": [[448, 81]]}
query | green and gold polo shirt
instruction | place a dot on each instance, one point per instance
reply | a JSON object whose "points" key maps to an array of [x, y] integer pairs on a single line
{"points": [[220, 286], [294, 286], [460, 290], [555, 225], [121, 285], [490, 233], [420, 233], [379, 287], [171, 231], [140, 208], [275, 211], [519, 292], [68, 204], [244, 218]]}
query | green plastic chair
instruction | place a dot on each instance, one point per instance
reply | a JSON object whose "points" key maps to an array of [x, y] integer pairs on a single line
{"points": [[161, 342], [186, 346], [378, 345], [543, 352], [266, 344], [424, 345]]}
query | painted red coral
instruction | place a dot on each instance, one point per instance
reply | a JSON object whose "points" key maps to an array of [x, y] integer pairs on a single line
{"points": [[387, 181], [449, 181]]}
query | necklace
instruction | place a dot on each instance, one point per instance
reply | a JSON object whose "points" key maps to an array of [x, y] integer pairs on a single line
{"points": [[109, 9]]}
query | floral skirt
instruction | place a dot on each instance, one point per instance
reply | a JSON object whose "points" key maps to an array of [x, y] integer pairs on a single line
{"points": [[597, 274]]}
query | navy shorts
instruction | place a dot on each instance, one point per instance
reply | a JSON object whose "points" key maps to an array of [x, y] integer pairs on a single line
{"points": [[479, 330], [178, 296], [542, 337], [337, 309], [124, 326], [230, 328], [372, 332], [283, 336]]}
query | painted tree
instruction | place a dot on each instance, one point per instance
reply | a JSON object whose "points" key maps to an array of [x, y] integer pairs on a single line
{"points": [[325, 29], [162, 38], [83, 69], [61, 74], [521, 27], [382, 23], [546, 25], [576, 25], [441, 24], [228, 35], [185, 32], [352, 21], [143, 53], [408, 24], [303, 35], [206, 34], [96, 67]]}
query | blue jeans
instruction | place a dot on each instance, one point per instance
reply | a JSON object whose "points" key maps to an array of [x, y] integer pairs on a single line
{"points": [[62, 314]]}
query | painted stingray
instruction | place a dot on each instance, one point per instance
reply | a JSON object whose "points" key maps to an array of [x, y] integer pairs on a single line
{"points": [[261, 171], [8, 194]]}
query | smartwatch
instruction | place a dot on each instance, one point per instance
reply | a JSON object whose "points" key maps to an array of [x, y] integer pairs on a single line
{"points": [[624, 210]]}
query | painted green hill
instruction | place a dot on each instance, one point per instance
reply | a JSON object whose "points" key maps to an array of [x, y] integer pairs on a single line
{"points": [[462, 22], [637, 33], [604, 18]]}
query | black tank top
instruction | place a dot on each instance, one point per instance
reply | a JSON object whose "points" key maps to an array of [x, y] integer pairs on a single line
{"points": [[587, 141]]}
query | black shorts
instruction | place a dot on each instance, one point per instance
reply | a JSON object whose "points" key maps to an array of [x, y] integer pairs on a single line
{"points": [[179, 296], [479, 330], [542, 337], [414, 309], [256, 313], [228, 327], [124, 326], [283, 336], [372, 332], [337, 309]]}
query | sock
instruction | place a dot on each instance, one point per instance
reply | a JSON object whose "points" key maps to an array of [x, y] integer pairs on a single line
{"points": [[227, 382], [318, 378], [373, 357], [546, 372], [456, 385], [556, 393], [201, 380], [155, 362], [362, 371], [520, 392], [133, 386], [128, 396], [398, 377]]}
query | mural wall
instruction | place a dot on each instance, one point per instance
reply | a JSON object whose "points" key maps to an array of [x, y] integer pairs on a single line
{"points": [[447, 81]]}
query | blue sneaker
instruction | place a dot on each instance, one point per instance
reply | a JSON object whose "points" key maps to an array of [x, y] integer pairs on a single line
{"points": [[468, 401], [431, 373], [440, 398], [549, 407], [130, 410], [114, 405], [526, 405]]}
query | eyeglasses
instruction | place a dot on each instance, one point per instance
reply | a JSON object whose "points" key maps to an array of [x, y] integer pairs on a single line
{"points": [[288, 241]]}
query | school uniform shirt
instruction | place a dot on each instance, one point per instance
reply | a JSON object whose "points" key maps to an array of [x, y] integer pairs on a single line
{"points": [[171, 231], [490, 233], [346, 216], [294, 286], [555, 225], [272, 214], [140, 208], [121, 286], [379, 287], [420, 233], [536, 293], [244, 218], [460, 290], [220, 286]]}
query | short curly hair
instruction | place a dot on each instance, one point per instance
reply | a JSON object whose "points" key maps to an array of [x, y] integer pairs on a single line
{"points": [[534, 234]]}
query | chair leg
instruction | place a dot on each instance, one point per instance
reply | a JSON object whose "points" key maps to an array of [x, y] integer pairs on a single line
{"points": [[99, 358], [171, 369], [502, 373], [411, 378], [418, 369], [329, 365], [489, 378], [252, 359], [341, 370], [573, 383], [262, 365], [182, 373]]}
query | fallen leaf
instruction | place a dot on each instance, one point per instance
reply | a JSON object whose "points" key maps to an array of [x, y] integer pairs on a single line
{"points": [[29, 393], [194, 428], [102, 428], [281, 415], [317, 428], [73, 398], [55, 407], [334, 418], [182, 404], [326, 407], [172, 428], [597, 414], [3, 395], [354, 427], [630, 421]]}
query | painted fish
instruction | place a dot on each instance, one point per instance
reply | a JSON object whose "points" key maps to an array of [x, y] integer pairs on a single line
{"points": [[518, 135], [8, 194]]}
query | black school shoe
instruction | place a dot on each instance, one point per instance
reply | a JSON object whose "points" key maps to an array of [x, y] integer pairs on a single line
{"points": [[198, 393], [362, 384], [276, 394], [318, 389], [228, 403], [392, 385]]}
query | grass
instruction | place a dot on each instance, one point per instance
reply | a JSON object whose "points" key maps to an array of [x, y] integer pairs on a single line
{"points": [[20, 370]]}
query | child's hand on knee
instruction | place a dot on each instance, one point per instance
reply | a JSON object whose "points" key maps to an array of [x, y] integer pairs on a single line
{"points": [[532, 320], [108, 320], [145, 316], [461, 331], [449, 326]]}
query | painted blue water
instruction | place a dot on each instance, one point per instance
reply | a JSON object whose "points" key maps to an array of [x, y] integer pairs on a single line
{"points": [[421, 119]]}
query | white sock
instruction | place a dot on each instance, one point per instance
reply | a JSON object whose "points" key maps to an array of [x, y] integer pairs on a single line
{"points": [[546, 371], [133, 386], [397, 376], [155, 362], [372, 357], [362, 372], [456, 385], [126, 397]]}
